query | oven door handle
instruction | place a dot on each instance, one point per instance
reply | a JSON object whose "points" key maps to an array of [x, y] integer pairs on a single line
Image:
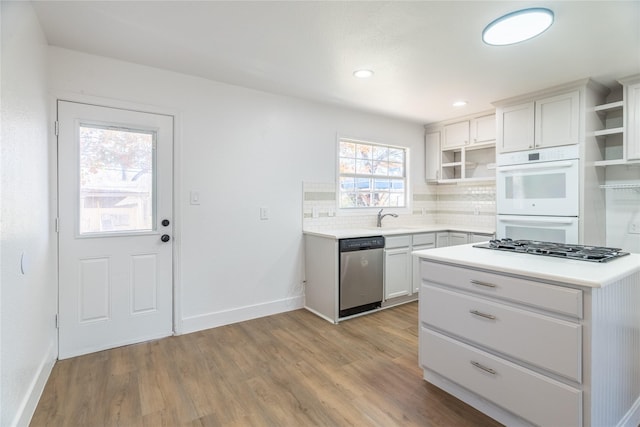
{"points": [[536, 166], [541, 220]]}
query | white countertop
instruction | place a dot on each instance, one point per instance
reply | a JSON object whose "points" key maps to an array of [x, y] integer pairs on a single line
{"points": [[347, 233], [575, 272]]}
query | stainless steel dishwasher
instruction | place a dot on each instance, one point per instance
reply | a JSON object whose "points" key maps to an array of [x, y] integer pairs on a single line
{"points": [[361, 274]]}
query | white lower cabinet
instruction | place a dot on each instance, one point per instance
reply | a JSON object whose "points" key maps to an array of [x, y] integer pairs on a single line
{"points": [[479, 237], [539, 399], [420, 242], [401, 269], [453, 238], [512, 331], [397, 272], [514, 342], [442, 239], [456, 238]]}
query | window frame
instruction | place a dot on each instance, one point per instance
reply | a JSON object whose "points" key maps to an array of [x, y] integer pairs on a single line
{"points": [[374, 209]]}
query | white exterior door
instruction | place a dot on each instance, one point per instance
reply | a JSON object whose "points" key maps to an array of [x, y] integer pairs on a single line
{"points": [[115, 227]]}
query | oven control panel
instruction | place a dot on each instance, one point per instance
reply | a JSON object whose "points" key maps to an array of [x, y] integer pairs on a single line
{"points": [[565, 152]]}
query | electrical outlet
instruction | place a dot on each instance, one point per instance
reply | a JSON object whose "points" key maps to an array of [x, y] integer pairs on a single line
{"points": [[264, 213], [634, 228]]}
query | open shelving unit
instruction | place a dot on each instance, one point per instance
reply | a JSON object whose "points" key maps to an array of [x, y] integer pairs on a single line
{"points": [[469, 163], [610, 138]]}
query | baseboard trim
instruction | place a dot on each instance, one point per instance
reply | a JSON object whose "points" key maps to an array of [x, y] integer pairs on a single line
{"points": [[240, 314], [32, 397]]}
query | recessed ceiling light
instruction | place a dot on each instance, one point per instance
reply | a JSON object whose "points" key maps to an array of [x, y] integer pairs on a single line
{"points": [[460, 103], [363, 74], [518, 26]]}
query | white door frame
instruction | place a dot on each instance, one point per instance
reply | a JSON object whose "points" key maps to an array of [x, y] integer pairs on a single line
{"points": [[177, 195]]}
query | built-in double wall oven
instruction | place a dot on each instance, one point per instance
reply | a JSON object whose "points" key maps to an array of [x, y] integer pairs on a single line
{"points": [[537, 195]]}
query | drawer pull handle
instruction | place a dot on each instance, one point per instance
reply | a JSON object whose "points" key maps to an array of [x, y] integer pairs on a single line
{"points": [[481, 314], [484, 368], [485, 284]]}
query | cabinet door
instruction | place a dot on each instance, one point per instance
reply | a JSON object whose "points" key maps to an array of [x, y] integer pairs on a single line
{"points": [[457, 239], [456, 135], [432, 156], [557, 119], [442, 239], [515, 127], [479, 238], [397, 272], [415, 261], [633, 122], [483, 129]]}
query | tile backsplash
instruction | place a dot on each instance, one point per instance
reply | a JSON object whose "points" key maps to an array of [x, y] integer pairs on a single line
{"points": [[468, 204]]}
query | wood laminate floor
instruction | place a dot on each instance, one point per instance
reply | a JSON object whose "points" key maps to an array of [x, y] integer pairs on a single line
{"points": [[290, 369]]}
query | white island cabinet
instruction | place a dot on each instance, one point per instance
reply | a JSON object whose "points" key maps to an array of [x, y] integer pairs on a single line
{"points": [[533, 340]]}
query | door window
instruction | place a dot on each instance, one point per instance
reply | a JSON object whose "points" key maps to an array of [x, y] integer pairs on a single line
{"points": [[117, 179]]}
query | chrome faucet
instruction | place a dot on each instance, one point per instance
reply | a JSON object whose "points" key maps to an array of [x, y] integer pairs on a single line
{"points": [[380, 216]]}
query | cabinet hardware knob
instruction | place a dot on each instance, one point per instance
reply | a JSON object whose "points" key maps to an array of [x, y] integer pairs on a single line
{"points": [[165, 238], [484, 368], [481, 314]]}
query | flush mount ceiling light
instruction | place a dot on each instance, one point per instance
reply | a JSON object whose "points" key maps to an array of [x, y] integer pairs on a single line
{"points": [[518, 26], [363, 74], [460, 103]]}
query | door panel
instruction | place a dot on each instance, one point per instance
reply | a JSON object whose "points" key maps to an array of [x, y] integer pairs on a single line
{"points": [[115, 188]]}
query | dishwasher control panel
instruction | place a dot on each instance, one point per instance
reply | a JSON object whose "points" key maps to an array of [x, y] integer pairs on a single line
{"points": [[361, 243]]}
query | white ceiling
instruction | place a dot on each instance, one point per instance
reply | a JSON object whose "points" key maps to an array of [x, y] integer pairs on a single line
{"points": [[425, 54]]}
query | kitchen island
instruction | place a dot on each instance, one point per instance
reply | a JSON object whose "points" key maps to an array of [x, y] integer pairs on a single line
{"points": [[533, 340]]}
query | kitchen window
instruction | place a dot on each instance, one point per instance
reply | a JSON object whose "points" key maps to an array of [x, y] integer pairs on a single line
{"points": [[371, 175]]}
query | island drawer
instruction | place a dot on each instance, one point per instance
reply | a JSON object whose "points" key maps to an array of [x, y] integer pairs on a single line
{"points": [[517, 333], [559, 299], [534, 397]]}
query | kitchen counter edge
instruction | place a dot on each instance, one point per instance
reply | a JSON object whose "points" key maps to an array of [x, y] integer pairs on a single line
{"points": [[347, 233], [559, 270]]}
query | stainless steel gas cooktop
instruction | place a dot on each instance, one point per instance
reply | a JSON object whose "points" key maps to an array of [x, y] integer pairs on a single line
{"points": [[560, 250]]}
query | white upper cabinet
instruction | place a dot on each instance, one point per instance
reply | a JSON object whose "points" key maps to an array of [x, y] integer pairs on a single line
{"points": [[483, 129], [456, 135], [544, 122], [557, 119], [515, 127], [432, 156], [461, 149], [633, 121]]}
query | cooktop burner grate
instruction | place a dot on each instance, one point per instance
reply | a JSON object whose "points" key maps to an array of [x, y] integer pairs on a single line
{"points": [[560, 250]]}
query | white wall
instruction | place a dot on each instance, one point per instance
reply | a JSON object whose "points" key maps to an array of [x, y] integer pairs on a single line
{"points": [[623, 207], [241, 149], [29, 300]]}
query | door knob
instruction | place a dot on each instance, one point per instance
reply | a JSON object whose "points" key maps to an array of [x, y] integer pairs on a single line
{"points": [[165, 238], [165, 222]]}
